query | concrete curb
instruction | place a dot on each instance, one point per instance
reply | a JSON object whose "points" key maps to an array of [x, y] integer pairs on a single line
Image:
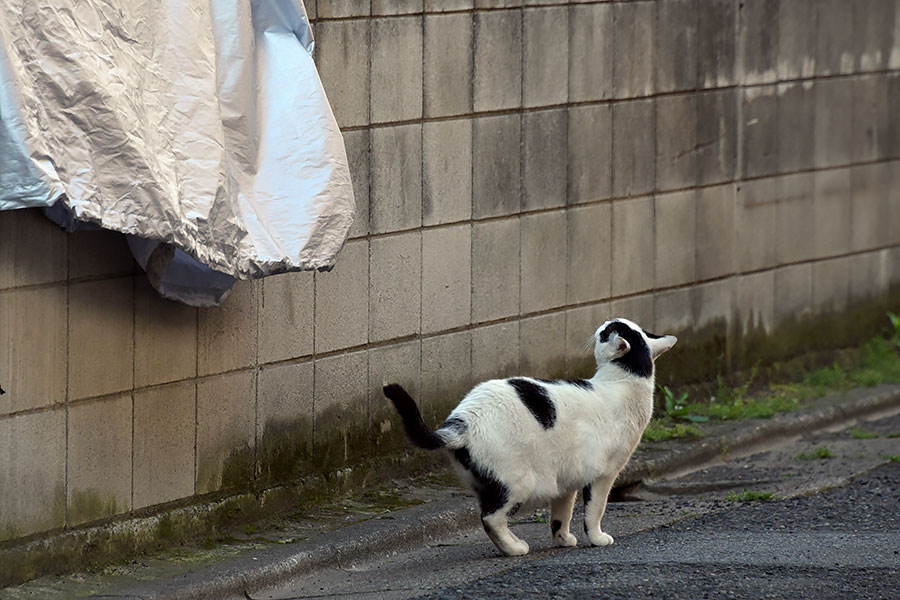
{"points": [[237, 578]]}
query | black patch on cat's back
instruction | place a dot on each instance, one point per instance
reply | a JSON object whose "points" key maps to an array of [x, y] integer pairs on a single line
{"points": [[535, 397], [492, 494], [636, 361]]}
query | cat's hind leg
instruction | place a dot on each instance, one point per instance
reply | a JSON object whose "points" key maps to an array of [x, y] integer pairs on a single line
{"points": [[595, 495], [560, 518], [496, 525]]}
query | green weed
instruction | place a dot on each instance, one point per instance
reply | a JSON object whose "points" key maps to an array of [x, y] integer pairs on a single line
{"points": [[893, 434], [658, 431], [822, 452], [858, 433], [749, 496], [893, 457]]}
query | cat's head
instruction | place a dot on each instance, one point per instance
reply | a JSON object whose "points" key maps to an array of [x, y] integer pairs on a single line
{"points": [[629, 347]]}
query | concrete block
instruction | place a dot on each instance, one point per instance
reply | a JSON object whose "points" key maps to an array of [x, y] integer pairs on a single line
{"points": [[333, 9], [759, 148], [101, 331], [545, 159], [676, 142], [545, 59], [589, 253], [343, 64], [634, 146], [395, 286], [713, 304], [226, 432], [634, 40], [632, 248], [33, 348], [543, 253], [755, 302], [341, 411], [892, 138], [672, 312], [498, 60], [446, 374], [590, 153], [495, 270], [342, 300], [542, 346], [99, 253], [675, 226], [448, 5], [676, 46], [448, 62], [99, 459], [497, 3], [873, 31], [831, 285], [832, 212], [755, 224], [396, 69], [396, 178], [793, 292], [868, 280], [34, 250], [286, 317], [795, 126], [581, 323], [164, 429], [758, 41], [400, 363], [446, 278], [33, 446], [835, 44], [284, 423], [495, 351], [796, 39], [894, 204], [716, 43], [590, 52], [496, 166], [639, 309], [870, 187], [397, 7], [227, 335], [873, 112], [715, 231], [716, 136], [356, 144], [447, 175], [165, 337], [795, 234]]}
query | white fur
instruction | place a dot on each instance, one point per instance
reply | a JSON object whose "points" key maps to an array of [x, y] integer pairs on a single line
{"points": [[594, 435]]}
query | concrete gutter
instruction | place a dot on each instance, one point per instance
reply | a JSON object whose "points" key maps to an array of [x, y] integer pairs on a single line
{"points": [[421, 525]]}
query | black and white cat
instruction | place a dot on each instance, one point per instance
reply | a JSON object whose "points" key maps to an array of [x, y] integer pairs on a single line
{"points": [[528, 442]]}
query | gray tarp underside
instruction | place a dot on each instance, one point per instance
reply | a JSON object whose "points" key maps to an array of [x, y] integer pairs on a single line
{"points": [[197, 127]]}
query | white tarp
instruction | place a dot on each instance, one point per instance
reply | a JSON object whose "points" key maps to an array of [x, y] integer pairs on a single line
{"points": [[198, 127]]}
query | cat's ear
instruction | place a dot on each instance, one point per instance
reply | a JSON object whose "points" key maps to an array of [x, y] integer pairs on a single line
{"points": [[658, 345], [619, 346]]}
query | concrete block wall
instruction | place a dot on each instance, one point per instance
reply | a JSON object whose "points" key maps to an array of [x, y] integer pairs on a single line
{"points": [[523, 171]]}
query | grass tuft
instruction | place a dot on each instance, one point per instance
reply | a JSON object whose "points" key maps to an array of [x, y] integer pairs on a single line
{"points": [[858, 433], [822, 452], [749, 496]]}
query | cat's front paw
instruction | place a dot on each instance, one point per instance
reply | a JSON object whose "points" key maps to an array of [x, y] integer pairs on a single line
{"points": [[517, 548], [565, 539], [598, 538]]}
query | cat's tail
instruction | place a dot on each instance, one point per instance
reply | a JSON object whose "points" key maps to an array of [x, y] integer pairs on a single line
{"points": [[416, 430]]}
